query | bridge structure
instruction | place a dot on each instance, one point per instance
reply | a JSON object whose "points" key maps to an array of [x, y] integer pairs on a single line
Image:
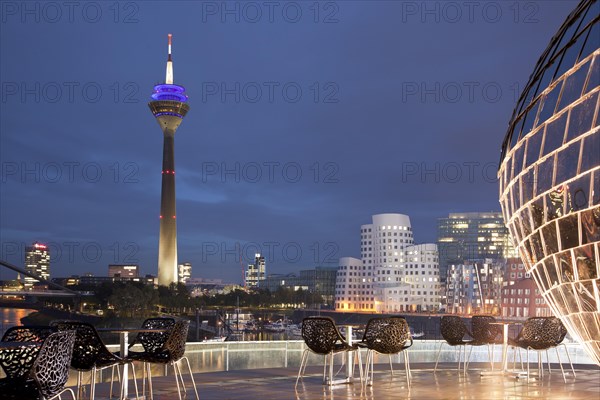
{"points": [[59, 290]]}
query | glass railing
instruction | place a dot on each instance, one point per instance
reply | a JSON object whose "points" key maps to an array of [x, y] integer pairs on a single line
{"points": [[229, 356]]}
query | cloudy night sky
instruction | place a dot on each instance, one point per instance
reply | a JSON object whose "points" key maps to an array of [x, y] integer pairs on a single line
{"points": [[306, 118]]}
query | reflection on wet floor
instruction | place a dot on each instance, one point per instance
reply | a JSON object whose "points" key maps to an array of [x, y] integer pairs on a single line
{"points": [[447, 383]]}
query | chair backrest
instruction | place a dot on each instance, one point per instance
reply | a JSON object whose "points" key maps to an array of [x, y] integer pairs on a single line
{"points": [[562, 328], [154, 341], [453, 329], [175, 343], [51, 367], [28, 333], [541, 332], [88, 348], [387, 335], [482, 329], [320, 334], [18, 362]]}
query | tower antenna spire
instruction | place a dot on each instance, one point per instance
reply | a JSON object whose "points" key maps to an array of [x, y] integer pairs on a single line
{"points": [[169, 75]]}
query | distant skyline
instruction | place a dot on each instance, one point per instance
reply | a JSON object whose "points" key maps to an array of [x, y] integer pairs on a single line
{"points": [[307, 119]]}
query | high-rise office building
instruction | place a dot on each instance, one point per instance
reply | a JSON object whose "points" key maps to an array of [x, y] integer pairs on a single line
{"points": [[184, 272], [472, 236], [393, 275], [37, 262], [168, 106], [256, 272], [549, 176]]}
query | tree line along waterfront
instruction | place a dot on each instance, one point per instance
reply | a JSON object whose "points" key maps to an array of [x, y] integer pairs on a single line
{"points": [[123, 300], [116, 304]]}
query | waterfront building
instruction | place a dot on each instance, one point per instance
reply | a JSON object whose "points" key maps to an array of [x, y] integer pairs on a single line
{"points": [[472, 236], [523, 299], [474, 287], [549, 175], [37, 262], [123, 270], [92, 280], [256, 272], [169, 106], [319, 281], [184, 272], [393, 274]]}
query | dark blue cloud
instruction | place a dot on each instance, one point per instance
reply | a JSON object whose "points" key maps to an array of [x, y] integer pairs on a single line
{"points": [[319, 125]]}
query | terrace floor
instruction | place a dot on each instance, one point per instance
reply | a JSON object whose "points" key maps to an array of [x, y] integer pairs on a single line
{"points": [[446, 383]]}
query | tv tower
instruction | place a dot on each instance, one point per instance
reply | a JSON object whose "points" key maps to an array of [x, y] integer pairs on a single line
{"points": [[169, 107]]}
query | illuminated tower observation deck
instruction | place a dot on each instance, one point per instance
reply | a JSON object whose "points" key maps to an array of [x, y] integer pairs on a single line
{"points": [[169, 107]]}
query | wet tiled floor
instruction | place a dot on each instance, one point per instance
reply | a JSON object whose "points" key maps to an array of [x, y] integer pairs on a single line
{"points": [[446, 383]]}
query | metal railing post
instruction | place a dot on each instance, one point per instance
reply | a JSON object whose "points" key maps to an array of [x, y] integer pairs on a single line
{"points": [[227, 357]]}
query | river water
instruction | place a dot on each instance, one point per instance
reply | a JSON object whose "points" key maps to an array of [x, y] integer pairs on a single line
{"points": [[11, 317]]}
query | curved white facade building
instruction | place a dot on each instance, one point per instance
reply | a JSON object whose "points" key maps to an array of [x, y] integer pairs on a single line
{"points": [[353, 287], [393, 275]]}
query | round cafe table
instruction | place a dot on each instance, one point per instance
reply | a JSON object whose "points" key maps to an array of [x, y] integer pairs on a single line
{"points": [[124, 349]]}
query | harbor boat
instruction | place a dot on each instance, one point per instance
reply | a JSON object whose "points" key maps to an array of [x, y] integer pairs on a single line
{"points": [[293, 330], [416, 334], [216, 339], [277, 326]]}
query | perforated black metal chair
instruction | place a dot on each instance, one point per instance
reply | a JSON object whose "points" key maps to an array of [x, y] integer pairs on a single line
{"points": [[321, 336], [539, 334], [386, 336], [150, 341], [484, 333], [453, 330], [153, 341], [171, 352], [90, 354], [49, 373], [18, 362]]}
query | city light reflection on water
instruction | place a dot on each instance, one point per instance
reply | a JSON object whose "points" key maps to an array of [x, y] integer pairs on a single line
{"points": [[11, 317]]}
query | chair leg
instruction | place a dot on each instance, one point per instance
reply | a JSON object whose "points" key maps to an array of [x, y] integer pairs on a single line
{"points": [[144, 379], [192, 377], [176, 379], [179, 375], [372, 357], [438, 357], [360, 369], [112, 378], [528, 375], [407, 368], [569, 358], [365, 369], [93, 384], [468, 359], [302, 362], [331, 369], [391, 366], [137, 393], [148, 367], [79, 391], [559, 364], [521, 359], [63, 391]]}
